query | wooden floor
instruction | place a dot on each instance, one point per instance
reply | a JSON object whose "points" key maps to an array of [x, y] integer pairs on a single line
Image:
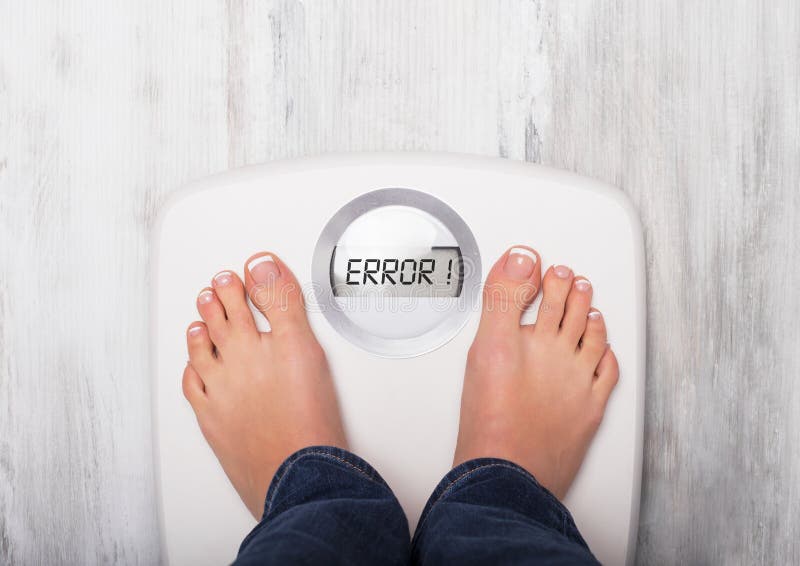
{"points": [[693, 108]]}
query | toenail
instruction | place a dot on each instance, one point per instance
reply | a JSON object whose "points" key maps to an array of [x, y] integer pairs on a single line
{"points": [[205, 297], [582, 284], [520, 263], [595, 315], [223, 278], [562, 271], [195, 330], [263, 269]]}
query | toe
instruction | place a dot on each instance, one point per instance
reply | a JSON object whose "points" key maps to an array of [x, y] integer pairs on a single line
{"points": [[576, 309], [230, 291], [511, 287], [607, 376], [555, 289], [275, 292], [193, 388], [213, 314], [593, 341], [200, 346]]}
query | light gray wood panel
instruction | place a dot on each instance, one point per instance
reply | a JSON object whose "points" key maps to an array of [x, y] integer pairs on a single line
{"points": [[691, 107]]}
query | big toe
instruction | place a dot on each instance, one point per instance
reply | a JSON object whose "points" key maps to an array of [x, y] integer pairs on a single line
{"points": [[275, 292], [511, 286]]}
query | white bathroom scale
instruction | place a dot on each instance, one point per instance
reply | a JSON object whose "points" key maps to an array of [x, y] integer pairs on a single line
{"points": [[391, 250]]}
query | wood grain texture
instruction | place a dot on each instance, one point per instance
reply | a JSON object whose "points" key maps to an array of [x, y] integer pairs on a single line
{"points": [[693, 108]]}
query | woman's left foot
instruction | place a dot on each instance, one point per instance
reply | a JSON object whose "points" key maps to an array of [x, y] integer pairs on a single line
{"points": [[535, 395], [258, 397]]}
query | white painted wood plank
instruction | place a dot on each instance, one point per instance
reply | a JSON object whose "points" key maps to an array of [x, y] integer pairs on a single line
{"points": [[104, 109], [693, 109]]}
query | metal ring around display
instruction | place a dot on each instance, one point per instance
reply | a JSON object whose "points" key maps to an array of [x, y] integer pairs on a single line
{"points": [[399, 347]]}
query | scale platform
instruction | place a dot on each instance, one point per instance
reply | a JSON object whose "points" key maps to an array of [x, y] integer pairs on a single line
{"points": [[441, 220]]}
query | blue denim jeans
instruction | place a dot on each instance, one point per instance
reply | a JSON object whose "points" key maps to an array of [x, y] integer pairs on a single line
{"points": [[327, 506]]}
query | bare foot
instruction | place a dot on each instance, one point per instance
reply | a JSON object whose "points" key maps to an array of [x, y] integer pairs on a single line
{"points": [[535, 395], [258, 397]]}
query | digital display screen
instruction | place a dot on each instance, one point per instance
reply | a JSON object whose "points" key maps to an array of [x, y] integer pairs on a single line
{"points": [[396, 272]]}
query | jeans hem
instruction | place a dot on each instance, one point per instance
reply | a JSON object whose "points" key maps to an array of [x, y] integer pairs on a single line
{"points": [[461, 474], [330, 453], [339, 456]]}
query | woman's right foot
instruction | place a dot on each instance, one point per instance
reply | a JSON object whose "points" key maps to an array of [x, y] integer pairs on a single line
{"points": [[258, 397], [535, 395]]}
